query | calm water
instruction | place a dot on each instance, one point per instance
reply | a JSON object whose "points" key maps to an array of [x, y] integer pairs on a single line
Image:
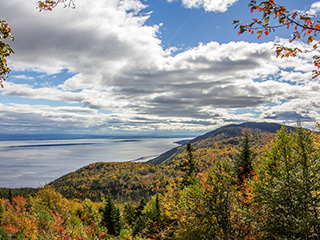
{"points": [[34, 163]]}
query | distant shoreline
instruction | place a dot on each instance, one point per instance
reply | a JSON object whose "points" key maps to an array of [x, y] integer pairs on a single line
{"points": [[49, 145], [124, 138]]}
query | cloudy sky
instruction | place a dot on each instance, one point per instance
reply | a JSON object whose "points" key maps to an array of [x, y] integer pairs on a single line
{"points": [[149, 66]]}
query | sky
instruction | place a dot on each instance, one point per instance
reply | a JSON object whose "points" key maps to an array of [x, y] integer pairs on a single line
{"points": [[150, 67]]}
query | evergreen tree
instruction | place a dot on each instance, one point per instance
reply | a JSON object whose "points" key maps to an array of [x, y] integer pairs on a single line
{"points": [[188, 168], [287, 189], [10, 197], [129, 215], [140, 207], [111, 218], [157, 214], [140, 225], [243, 163]]}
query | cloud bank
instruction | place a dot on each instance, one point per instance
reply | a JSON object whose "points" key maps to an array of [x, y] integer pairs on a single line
{"points": [[120, 78]]}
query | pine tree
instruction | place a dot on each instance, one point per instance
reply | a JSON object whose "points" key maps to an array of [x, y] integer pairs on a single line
{"points": [[111, 218], [243, 163], [188, 168]]}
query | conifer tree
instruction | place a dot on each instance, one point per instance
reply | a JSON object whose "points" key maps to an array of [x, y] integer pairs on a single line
{"points": [[140, 207], [188, 168], [140, 225], [243, 163], [10, 197], [157, 209], [129, 215], [1, 213], [111, 218]]}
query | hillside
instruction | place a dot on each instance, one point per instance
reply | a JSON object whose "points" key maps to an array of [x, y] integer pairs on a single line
{"points": [[226, 137], [124, 180], [132, 180]]}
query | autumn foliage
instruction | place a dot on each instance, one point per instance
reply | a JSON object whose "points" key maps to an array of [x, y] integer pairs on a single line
{"points": [[279, 199], [5, 50]]}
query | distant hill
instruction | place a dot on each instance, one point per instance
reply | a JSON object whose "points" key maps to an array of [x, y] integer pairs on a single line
{"points": [[231, 132], [123, 180]]}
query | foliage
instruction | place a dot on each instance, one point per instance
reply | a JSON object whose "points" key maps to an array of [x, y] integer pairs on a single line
{"points": [[50, 4], [243, 161], [111, 217], [188, 168], [281, 199], [129, 215], [5, 50], [1, 213], [275, 16], [4, 192], [202, 210], [287, 189], [124, 181]]}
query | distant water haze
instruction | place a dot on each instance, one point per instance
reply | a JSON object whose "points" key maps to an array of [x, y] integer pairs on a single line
{"points": [[37, 162]]}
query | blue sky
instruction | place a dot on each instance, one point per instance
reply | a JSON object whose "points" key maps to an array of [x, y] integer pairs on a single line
{"points": [[150, 66]]}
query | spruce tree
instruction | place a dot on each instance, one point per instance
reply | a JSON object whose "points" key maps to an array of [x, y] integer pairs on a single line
{"points": [[188, 168], [243, 163], [140, 207], [129, 215], [111, 218], [157, 209]]}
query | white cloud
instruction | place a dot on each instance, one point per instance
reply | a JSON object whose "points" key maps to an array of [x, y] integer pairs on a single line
{"points": [[208, 5], [314, 9]]}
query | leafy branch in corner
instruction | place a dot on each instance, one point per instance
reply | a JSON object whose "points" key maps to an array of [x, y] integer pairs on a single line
{"points": [[5, 50], [304, 26], [51, 4]]}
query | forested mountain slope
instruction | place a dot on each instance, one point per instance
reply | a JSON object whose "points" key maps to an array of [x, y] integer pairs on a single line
{"points": [[226, 138], [131, 181], [123, 180]]}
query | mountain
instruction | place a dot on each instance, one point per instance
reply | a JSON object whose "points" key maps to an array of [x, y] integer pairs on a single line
{"points": [[231, 132]]}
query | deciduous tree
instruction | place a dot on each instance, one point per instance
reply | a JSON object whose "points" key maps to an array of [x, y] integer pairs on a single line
{"points": [[287, 189]]}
